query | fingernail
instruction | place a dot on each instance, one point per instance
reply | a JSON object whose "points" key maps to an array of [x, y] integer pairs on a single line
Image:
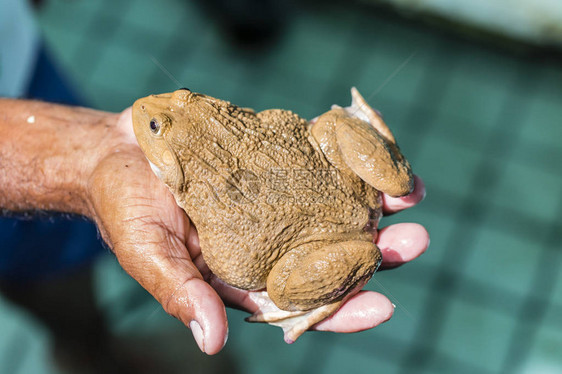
{"points": [[225, 337], [197, 332]]}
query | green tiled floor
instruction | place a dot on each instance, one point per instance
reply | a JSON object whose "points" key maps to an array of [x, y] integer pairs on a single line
{"points": [[480, 124]]}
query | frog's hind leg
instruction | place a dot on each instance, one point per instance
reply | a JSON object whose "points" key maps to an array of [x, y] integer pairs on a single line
{"points": [[294, 323], [311, 282], [368, 148], [361, 109]]}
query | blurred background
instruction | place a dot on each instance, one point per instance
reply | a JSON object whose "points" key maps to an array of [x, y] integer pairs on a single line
{"points": [[473, 93]]}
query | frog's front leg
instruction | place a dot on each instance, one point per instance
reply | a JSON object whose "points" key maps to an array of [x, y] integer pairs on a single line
{"points": [[311, 282]]}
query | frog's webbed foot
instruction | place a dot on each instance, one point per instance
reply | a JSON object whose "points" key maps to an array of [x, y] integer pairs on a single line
{"points": [[293, 323], [368, 147]]}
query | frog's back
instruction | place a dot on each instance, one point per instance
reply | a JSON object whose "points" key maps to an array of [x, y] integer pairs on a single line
{"points": [[258, 201]]}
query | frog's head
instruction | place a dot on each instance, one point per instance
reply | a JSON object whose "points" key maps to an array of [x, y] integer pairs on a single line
{"points": [[159, 123], [169, 127]]}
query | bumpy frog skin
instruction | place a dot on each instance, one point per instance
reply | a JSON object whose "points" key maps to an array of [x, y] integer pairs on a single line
{"points": [[279, 203]]}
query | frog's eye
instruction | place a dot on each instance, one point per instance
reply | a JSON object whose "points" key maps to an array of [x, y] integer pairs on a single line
{"points": [[154, 126], [159, 123]]}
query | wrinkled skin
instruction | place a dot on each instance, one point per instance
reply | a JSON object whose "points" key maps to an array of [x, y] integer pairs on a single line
{"points": [[310, 253]]}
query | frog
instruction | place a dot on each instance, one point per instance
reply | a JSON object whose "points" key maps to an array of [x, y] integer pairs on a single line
{"points": [[284, 207]]}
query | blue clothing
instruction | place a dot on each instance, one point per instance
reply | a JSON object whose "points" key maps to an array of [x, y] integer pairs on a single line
{"points": [[31, 250]]}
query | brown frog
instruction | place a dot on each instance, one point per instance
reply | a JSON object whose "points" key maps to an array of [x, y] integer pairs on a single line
{"points": [[279, 203]]}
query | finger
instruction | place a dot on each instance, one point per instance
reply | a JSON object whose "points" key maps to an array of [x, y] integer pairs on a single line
{"points": [[363, 311], [401, 243], [395, 204], [199, 307]]}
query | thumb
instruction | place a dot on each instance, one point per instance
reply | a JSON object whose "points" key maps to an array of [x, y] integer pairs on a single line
{"points": [[177, 284]]}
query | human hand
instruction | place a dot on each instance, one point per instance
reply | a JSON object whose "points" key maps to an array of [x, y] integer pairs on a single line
{"points": [[158, 246]]}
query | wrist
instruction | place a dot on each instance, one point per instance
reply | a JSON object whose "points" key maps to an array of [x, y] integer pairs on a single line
{"points": [[104, 137], [48, 152]]}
